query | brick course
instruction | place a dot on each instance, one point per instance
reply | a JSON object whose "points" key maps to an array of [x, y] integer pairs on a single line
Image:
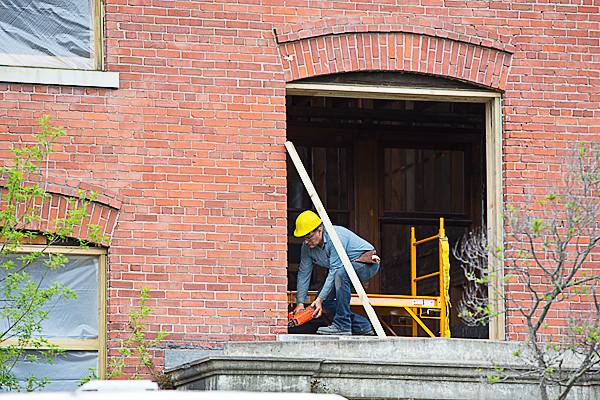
{"points": [[190, 151]]}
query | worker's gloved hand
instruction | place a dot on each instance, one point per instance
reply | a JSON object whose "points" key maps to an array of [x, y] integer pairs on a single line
{"points": [[317, 304], [299, 307]]}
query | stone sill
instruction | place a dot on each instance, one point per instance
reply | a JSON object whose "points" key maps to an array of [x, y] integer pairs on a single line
{"points": [[61, 77], [363, 368]]}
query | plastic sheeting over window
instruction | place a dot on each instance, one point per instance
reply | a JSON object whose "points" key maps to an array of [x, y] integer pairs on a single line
{"points": [[73, 319], [63, 373], [47, 33]]}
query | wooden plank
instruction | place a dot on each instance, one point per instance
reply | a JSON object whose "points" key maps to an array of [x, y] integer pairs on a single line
{"points": [[388, 327], [316, 132], [390, 93], [411, 116], [98, 11], [474, 195], [458, 173], [66, 344], [382, 311], [367, 204], [494, 211], [443, 181], [102, 316], [399, 301], [411, 177], [62, 250]]}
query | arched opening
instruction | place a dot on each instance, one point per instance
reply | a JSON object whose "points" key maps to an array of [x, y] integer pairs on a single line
{"points": [[386, 160]]}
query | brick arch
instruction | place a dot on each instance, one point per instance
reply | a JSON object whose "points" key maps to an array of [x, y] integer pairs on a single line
{"points": [[103, 211], [408, 44]]}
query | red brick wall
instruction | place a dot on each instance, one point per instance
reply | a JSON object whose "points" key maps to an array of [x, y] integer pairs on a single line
{"points": [[193, 139]]}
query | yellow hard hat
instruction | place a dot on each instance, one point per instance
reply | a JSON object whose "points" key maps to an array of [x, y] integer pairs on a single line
{"points": [[306, 222]]}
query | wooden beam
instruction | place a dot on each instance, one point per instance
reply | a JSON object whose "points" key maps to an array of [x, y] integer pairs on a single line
{"points": [[494, 213], [383, 300], [102, 316], [365, 170], [98, 10], [389, 92], [62, 250], [408, 116], [318, 132], [66, 344]]}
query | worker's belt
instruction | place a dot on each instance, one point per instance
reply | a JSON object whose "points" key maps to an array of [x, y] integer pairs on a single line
{"points": [[368, 257]]}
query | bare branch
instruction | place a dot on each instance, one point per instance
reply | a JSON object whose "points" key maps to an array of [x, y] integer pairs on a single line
{"points": [[545, 262]]}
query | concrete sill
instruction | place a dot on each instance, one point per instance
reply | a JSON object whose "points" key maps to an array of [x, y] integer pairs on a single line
{"points": [[62, 77]]}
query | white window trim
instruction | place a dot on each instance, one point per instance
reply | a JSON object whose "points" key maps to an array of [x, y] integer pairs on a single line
{"points": [[493, 140], [99, 344], [61, 77]]}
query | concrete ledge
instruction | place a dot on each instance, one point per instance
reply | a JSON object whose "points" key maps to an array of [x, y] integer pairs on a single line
{"points": [[175, 357], [372, 348], [366, 368], [61, 77], [245, 373], [352, 379]]}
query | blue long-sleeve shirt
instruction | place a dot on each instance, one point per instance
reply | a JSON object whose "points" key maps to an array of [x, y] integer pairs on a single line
{"points": [[328, 257]]}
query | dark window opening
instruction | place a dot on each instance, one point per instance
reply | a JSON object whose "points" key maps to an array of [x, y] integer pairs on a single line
{"points": [[382, 167]]}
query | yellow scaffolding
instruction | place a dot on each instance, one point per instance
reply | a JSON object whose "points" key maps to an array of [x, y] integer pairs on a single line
{"points": [[416, 307], [443, 301]]}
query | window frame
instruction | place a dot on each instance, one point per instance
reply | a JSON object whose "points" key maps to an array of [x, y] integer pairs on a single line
{"points": [[97, 47], [99, 344], [98, 8], [493, 150]]}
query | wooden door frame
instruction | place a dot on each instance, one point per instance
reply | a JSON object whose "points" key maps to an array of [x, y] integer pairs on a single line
{"points": [[493, 143]]}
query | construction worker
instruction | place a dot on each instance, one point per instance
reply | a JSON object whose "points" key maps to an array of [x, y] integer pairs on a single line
{"points": [[334, 296]]}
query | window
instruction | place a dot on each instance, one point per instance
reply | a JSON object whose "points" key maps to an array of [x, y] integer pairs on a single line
{"points": [[78, 326], [418, 154], [63, 34]]}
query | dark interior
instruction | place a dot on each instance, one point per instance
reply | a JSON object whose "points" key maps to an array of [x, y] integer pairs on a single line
{"points": [[383, 166]]}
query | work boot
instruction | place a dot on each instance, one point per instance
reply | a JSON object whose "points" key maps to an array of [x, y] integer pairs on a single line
{"points": [[332, 330], [366, 332]]}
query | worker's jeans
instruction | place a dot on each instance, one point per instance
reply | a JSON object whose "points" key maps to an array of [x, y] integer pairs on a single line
{"points": [[338, 301]]}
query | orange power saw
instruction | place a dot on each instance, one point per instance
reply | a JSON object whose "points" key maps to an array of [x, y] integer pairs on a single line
{"points": [[302, 316]]}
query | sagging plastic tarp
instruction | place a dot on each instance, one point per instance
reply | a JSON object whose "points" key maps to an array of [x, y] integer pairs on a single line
{"points": [[73, 319], [47, 33], [63, 373]]}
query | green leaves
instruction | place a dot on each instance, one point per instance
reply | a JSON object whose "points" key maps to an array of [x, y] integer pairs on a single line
{"points": [[136, 346], [494, 378], [26, 302], [537, 225]]}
